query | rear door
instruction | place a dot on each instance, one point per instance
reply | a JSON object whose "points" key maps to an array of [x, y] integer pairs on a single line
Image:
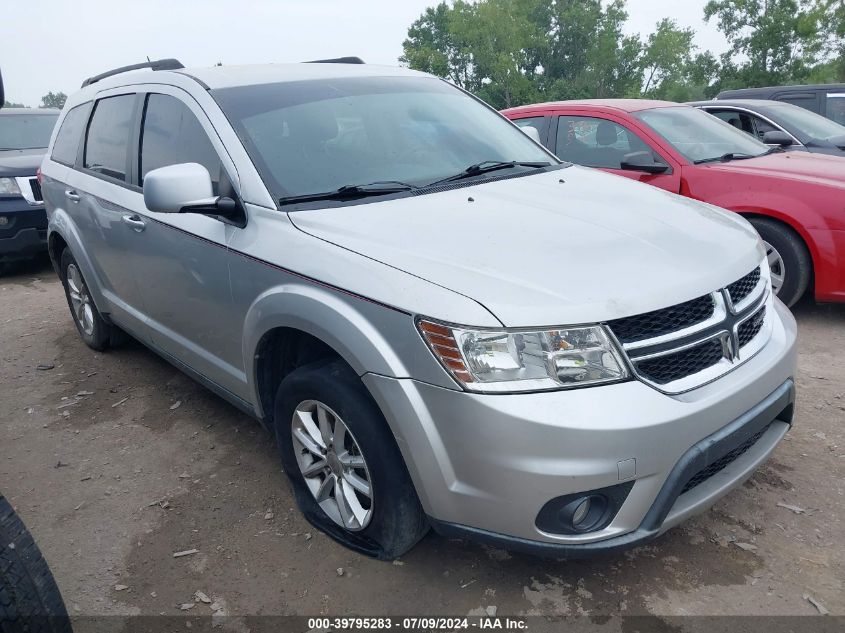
{"points": [[602, 141], [98, 195]]}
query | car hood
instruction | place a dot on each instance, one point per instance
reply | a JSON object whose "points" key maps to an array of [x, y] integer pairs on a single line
{"points": [[567, 246], [20, 162], [821, 169]]}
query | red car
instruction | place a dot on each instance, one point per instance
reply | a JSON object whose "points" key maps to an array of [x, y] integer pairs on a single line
{"points": [[795, 200]]}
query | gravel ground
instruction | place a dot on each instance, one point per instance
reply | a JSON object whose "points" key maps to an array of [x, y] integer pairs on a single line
{"points": [[116, 461]]}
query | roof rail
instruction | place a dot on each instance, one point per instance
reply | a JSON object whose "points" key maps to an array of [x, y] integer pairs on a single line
{"points": [[158, 64], [338, 60]]}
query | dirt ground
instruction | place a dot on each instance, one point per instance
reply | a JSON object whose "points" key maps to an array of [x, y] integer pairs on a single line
{"points": [[115, 461]]}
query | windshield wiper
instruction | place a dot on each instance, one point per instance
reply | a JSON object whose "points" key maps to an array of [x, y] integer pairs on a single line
{"points": [[724, 158], [487, 166], [350, 192]]}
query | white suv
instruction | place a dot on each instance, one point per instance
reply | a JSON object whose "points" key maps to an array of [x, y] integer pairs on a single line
{"points": [[442, 323]]}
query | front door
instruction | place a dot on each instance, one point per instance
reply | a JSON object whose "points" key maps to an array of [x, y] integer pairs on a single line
{"points": [[184, 275], [602, 142]]}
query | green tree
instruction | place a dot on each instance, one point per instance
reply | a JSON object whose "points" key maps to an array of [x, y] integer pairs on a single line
{"points": [[778, 41], [832, 14], [53, 100], [12, 104], [501, 40], [433, 46], [513, 51], [667, 59]]}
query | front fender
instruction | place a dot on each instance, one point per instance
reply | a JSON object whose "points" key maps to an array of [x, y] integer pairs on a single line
{"points": [[370, 337]]}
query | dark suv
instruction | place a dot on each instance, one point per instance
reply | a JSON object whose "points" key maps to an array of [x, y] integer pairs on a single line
{"points": [[825, 99], [24, 137]]}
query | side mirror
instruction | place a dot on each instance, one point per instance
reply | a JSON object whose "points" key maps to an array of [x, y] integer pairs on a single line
{"points": [[643, 161], [777, 137], [184, 188], [531, 132]]}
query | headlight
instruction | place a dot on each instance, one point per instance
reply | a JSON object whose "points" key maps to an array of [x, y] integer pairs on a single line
{"points": [[525, 360], [8, 187]]}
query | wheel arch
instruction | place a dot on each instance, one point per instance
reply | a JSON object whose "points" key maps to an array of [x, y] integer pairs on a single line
{"points": [[799, 230], [294, 324], [61, 234]]}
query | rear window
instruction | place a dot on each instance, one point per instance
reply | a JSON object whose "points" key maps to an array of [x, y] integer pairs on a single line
{"points": [[26, 131], [67, 140], [108, 136]]}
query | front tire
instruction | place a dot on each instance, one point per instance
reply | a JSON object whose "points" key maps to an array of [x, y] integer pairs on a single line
{"points": [[347, 473], [94, 330], [789, 260]]}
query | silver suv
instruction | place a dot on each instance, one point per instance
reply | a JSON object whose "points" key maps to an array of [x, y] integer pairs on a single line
{"points": [[443, 325]]}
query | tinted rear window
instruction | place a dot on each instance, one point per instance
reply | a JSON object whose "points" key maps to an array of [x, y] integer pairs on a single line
{"points": [[67, 140], [26, 131], [108, 136]]}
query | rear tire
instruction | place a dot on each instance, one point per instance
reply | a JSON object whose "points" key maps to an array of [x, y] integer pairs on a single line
{"points": [[789, 259], [392, 521], [94, 330], [30, 601]]}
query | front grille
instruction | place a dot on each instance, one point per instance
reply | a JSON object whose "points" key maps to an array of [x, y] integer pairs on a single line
{"points": [[720, 464], [671, 367], [750, 328], [36, 189], [665, 321], [741, 288]]}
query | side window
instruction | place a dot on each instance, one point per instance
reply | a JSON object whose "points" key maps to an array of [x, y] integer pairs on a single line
{"points": [[739, 120], [67, 140], [806, 100], [836, 107], [596, 142], [108, 136], [171, 135], [761, 127]]}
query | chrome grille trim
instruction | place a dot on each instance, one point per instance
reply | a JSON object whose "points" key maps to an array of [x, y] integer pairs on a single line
{"points": [[723, 325], [27, 190]]}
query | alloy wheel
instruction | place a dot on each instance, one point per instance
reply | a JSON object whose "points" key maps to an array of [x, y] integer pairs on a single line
{"points": [[83, 308], [776, 266], [332, 465]]}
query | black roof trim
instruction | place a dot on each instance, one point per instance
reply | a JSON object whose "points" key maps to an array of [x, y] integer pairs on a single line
{"points": [[159, 64], [338, 60]]}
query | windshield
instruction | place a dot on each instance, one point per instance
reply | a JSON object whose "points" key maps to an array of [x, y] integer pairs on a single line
{"points": [[26, 131], [700, 136], [309, 137], [812, 124]]}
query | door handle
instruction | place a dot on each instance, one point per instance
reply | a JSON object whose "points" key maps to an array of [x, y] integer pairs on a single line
{"points": [[70, 194], [135, 222]]}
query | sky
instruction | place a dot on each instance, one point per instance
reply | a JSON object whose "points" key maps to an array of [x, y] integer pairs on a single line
{"points": [[55, 44]]}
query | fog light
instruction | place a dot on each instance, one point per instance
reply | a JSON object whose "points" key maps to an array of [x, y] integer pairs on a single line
{"points": [[3, 220], [581, 512]]}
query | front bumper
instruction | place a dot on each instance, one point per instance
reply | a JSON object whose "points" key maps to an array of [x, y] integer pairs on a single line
{"points": [[484, 465], [23, 232]]}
